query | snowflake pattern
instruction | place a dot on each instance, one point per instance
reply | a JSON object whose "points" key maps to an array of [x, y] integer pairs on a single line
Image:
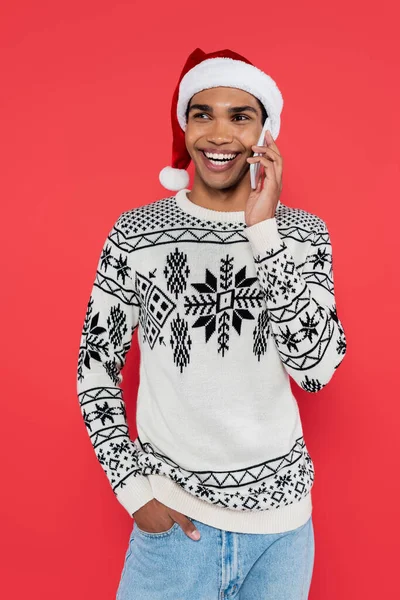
{"points": [[286, 291], [224, 302], [181, 342], [176, 272], [274, 483], [96, 341]]}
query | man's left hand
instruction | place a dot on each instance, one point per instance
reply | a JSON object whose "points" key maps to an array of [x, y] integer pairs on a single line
{"points": [[263, 201]]}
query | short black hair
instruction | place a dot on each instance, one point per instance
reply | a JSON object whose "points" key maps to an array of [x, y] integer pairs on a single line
{"points": [[264, 113]]}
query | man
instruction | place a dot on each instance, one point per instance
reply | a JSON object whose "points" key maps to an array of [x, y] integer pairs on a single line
{"points": [[232, 292]]}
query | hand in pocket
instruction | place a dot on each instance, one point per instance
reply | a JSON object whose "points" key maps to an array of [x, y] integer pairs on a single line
{"points": [[155, 517]]}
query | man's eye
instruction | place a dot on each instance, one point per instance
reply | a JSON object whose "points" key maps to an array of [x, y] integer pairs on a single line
{"points": [[201, 114]]}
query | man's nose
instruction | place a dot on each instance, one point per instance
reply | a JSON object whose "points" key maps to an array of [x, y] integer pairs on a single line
{"points": [[220, 132]]}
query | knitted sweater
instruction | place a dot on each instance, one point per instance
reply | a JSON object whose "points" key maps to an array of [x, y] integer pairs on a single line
{"points": [[225, 313]]}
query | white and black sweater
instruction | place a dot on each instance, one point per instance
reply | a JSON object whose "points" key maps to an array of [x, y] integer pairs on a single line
{"points": [[224, 313]]}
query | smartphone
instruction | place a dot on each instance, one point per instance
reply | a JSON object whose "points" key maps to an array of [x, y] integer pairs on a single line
{"points": [[255, 168]]}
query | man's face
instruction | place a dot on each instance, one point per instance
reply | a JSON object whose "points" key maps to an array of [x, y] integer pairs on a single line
{"points": [[227, 121]]}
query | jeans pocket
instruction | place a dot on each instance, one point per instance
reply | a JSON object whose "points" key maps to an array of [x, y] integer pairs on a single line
{"points": [[173, 527], [127, 554]]}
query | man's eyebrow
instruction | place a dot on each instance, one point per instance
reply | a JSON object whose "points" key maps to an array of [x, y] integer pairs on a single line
{"points": [[232, 110]]}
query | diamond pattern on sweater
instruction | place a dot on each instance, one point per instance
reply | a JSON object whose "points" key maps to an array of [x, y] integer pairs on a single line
{"points": [[271, 484], [186, 283]]}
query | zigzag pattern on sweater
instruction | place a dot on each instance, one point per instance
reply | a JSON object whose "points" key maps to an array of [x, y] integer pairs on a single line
{"points": [[285, 297]]}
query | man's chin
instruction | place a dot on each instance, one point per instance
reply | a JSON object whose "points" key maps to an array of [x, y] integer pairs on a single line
{"points": [[219, 183]]}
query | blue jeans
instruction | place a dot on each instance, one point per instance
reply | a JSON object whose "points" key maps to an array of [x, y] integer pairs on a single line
{"points": [[221, 565]]}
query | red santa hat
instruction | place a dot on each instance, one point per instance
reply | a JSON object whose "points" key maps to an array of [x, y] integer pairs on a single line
{"points": [[203, 71]]}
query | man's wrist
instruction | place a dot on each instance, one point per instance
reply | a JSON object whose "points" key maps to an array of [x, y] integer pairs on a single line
{"points": [[270, 216]]}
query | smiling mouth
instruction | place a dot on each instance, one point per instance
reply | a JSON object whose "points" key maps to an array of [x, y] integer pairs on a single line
{"points": [[219, 163], [218, 160]]}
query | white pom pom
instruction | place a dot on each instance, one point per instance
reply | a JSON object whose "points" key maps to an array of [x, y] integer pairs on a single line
{"points": [[174, 179]]}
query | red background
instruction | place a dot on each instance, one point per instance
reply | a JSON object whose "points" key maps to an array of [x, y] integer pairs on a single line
{"points": [[85, 128]]}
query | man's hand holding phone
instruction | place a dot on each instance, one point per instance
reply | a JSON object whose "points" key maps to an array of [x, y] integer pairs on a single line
{"points": [[263, 200], [256, 170]]}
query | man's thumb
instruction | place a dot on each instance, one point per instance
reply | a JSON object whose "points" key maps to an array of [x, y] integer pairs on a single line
{"points": [[186, 525]]}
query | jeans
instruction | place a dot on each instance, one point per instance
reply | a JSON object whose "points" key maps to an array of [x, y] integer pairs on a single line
{"points": [[221, 565]]}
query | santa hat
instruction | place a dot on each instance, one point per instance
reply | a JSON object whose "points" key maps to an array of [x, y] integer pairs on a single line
{"points": [[203, 71]]}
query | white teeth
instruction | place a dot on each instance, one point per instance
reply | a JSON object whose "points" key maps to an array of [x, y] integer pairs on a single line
{"points": [[218, 162], [219, 156]]}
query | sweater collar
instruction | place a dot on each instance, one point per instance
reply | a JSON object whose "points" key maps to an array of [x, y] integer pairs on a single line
{"points": [[208, 214]]}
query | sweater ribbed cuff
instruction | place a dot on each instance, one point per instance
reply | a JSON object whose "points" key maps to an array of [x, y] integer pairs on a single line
{"points": [[136, 493], [263, 235]]}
